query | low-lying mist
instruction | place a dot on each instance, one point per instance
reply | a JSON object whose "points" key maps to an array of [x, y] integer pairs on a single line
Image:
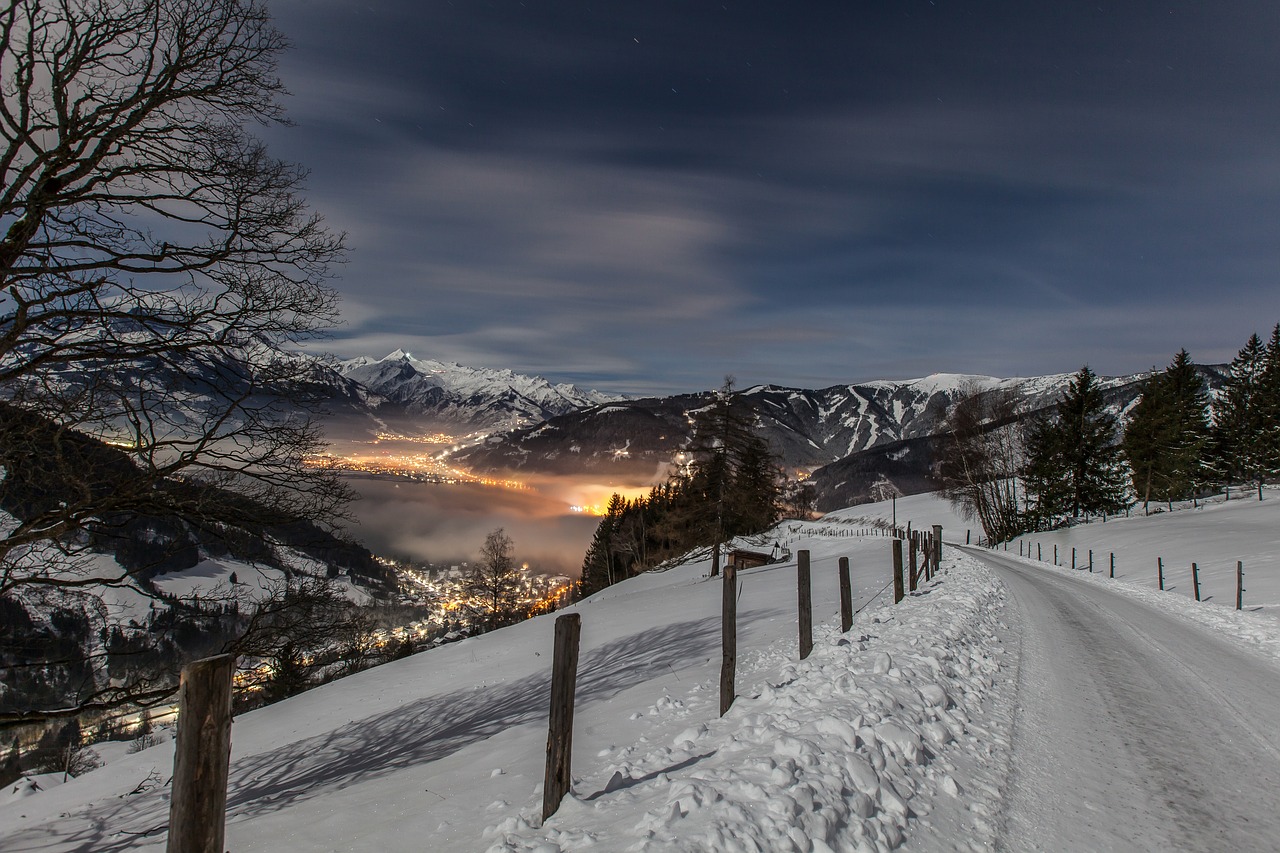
{"points": [[448, 523]]}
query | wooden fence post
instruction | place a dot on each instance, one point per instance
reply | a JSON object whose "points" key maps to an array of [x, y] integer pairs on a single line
{"points": [[1073, 558], [202, 757], [897, 571], [937, 547], [806, 604], [1055, 553], [1090, 561], [1195, 579], [846, 597], [728, 636], [966, 536], [1160, 571], [1239, 584], [564, 681], [911, 563], [1039, 553], [1113, 564]]}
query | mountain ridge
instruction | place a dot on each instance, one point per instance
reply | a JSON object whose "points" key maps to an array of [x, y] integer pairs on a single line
{"points": [[850, 439], [449, 393], [846, 437]]}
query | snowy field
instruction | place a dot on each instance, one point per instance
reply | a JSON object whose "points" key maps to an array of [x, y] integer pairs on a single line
{"points": [[1214, 536], [899, 734]]}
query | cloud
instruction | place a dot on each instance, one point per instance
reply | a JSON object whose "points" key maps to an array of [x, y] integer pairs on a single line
{"points": [[650, 197]]}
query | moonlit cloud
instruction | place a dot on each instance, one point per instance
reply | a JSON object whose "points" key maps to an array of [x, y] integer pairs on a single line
{"points": [[647, 197]]}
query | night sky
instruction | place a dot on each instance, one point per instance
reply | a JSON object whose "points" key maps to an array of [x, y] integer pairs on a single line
{"points": [[646, 196]]}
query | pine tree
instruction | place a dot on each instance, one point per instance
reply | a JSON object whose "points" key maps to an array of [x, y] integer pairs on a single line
{"points": [[1074, 463], [597, 565], [1145, 440], [1043, 475], [50, 754], [1269, 411], [755, 499], [734, 483], [731, 487], [290, 674], [1238, 418], [1189, 432], [1166, 438], [145, 726]]}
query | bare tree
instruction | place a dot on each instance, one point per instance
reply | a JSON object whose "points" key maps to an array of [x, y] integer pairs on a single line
{"points": [[301, 633], [156, 264], [981, 459], [495, 580]]}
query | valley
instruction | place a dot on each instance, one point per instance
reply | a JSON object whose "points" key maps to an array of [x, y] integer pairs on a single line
{"points": [[560, 428]]}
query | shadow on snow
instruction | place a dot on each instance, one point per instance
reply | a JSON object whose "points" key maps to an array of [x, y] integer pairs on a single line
{"points": [[413, 734]]}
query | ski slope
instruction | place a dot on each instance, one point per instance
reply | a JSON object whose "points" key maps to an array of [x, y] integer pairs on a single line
{"points": [[923, 729]]}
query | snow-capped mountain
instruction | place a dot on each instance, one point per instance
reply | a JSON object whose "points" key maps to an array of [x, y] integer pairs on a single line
{"points": [[807, 429], [474, 397]]}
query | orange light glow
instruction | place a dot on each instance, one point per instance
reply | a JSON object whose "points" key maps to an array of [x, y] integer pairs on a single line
{"points": [[414, 465], [594, 499]]}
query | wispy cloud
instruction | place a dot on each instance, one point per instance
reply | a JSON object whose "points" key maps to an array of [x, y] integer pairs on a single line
{"points": [[654, 196]]}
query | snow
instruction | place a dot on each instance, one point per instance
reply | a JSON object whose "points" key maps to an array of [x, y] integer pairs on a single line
{"points": [[908, 731], [832, 753], [408, 751], [213, 576], [1214, 536], [471, 393], [1136, 729], [114, 601], [922, 511], [30, 785]]}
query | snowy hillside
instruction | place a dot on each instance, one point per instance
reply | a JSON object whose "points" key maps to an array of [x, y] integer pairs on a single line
{"points": [[901, 734], [1214, 535], [444, 392], [445, 748]]}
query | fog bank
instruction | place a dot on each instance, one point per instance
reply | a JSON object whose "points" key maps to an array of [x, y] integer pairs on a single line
{"points": [[448, 523]]}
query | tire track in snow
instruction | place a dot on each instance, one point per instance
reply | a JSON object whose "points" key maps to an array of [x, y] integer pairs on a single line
{"points": [[1138, 730]]}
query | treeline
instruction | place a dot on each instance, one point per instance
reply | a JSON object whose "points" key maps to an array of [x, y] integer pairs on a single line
{"points": [[1077, 459], [729, 485]]}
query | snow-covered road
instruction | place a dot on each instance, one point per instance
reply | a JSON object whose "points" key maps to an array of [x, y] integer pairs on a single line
{"points": [[1136, 729]]}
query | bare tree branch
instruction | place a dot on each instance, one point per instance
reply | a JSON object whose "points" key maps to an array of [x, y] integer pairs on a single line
{"points": [[156, 265]]}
